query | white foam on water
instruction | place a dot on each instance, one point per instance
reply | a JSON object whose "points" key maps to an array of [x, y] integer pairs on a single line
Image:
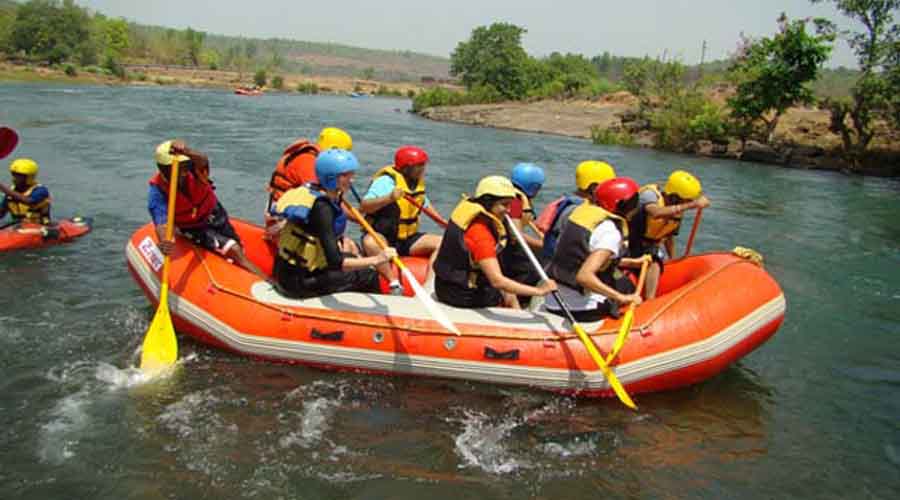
{"points": [[313, 423], [190, 414], [59, 437], [481, 444]]}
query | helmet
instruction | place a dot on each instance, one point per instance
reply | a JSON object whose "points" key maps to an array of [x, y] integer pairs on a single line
{"points": [[332, 163], [164, 155], [410, 155], [24, 166], [617, 195], [495, 185], [333, 137], [685, 185], [528, 177], [592, 172]]}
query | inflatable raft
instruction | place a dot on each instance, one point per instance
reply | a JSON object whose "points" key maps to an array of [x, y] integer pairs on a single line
{"points": [[250, 92], [713, 309], [28, 235]]}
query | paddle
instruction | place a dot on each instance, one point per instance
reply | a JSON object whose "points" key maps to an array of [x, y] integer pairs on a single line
{"points": [[690, 243], [160, 348], [585, 339], [420, 292], [431, 212], [8, 141], [629, 315]]}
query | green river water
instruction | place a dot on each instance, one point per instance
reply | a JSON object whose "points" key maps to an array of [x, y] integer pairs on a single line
{"points": [[813, 413]]}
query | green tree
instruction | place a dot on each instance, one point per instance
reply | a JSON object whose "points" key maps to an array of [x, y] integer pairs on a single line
{"points": [[260, 78], [50, 30], [493, 56], [368, 73], [773, 74], [876, 91], [193, 46]]}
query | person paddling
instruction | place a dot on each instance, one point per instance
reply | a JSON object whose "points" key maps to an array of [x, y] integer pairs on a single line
{"points": [[394, 203], [198, 214], [528, 179], [296, 167], [309, 262], [659, 220], [588, 175], [467, 270], [26, 201], [587, 260]]}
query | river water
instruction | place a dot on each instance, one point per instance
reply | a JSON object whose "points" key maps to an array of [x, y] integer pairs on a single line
{"points": [[814, 413]]}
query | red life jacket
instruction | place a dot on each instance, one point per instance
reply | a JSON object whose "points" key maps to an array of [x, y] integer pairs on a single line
{"points": [[194, 201], [291, 171]]}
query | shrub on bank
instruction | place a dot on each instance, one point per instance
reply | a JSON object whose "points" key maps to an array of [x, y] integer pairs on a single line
{"points": [[277, 82], [307, 88], [71, 71], [609, 137]]}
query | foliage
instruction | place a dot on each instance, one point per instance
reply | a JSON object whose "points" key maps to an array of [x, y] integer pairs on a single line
{"points": [[772, 74], [688, 117], [260, 78], [70, 70], [874, 96], [368, 73], [308, 88], [192, 46], [611, 137], [493, 56], [653, 80], [277, 82], [50, 30]]}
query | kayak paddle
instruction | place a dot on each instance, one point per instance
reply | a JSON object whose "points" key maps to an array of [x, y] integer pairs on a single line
{"points": [[8, 141]]}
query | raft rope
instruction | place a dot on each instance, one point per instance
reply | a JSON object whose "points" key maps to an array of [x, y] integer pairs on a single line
{"points": [[557, 337], [749, 254]]}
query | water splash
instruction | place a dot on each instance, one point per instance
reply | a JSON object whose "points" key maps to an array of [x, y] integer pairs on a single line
{"points": [[59, 436]]}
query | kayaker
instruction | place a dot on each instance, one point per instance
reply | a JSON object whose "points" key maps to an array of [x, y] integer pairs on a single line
{"points": [[587, 260], [309, 262], [198, 214], [528, 179], [297, 166], [394, 203], [26, 201], [588, 175], [659, 220], [467, 270]]}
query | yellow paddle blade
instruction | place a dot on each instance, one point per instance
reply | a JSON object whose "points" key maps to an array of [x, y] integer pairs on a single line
{"points": [[436, 312], [160, 348], [604, 368], [627, 321]]}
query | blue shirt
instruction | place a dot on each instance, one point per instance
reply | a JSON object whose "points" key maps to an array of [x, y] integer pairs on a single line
{"points": [[158, 205], [384, 186]]}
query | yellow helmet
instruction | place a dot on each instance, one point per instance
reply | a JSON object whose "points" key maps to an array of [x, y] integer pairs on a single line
{"points": [[24, 166], [164, 155], [593, 172], [495, 185], [333, 137], [685, 185]]}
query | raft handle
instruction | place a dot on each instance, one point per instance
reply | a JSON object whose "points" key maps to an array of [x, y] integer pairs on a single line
{"points": [[512, 355], [331, 336]]}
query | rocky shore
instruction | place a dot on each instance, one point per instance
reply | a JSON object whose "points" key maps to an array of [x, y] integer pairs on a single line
{"points": [[802, 139]]}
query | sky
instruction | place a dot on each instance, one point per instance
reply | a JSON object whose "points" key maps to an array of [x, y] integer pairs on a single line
{"points": [[674, 28]]}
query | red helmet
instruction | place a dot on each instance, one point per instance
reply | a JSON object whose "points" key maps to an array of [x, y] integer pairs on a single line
{"points": [[410, 155], [618, 195]]}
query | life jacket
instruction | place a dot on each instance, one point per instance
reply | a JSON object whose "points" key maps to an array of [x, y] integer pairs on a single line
{"points": [[281, 180], [298, 245], [38, 213], [454, 261], [560, 213], [400, 219], [657, 229], [574, 245], [194, 201], [513, 260]]}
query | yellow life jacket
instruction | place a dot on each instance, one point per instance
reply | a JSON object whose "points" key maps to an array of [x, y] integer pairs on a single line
{"points": [[659, 228], [573, 247], [400, 219], [454, 262], [295, 245], [38, 213]]}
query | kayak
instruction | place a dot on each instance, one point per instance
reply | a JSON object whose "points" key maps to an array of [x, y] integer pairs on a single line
{"points": [[699, 325], [29, 235], [251, 92]]}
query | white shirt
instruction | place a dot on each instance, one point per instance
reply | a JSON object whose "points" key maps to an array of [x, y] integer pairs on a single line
{"points": [[606, 236]]}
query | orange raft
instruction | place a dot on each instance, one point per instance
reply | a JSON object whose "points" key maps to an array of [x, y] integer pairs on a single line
{"points": [[713, 309], [246, 91], [28, 235]]}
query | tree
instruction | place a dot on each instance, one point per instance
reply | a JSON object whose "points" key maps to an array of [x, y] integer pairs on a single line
{"points": [[49, 30], [493, 56], [772, 74], [260, 78], [875, 94], [193, 42], [368, 73]]}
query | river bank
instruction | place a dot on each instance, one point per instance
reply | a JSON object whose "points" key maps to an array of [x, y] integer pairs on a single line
{"points": [[801, 140]]}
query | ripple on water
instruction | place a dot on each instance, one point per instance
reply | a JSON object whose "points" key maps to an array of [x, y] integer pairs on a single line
{"points": [[59, 437]]}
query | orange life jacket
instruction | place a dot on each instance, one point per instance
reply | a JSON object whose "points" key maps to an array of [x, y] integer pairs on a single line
{"points": [[290, 172], [194, 201]]}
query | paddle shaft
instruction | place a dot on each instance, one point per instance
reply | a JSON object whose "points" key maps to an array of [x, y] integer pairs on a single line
{"points": [[170, 224], [429, 211], [690, 242]]}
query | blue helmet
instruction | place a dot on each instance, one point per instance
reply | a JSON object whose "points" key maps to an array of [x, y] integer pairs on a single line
{"points": [[528, 177], [332, 163]]}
